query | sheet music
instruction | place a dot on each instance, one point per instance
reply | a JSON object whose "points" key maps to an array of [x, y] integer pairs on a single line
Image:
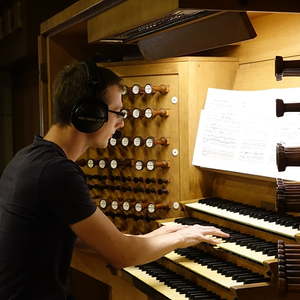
{"points": [[238, 131]]}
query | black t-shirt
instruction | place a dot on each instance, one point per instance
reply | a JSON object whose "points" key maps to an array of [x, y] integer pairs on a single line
{"points": [[41, 194]]}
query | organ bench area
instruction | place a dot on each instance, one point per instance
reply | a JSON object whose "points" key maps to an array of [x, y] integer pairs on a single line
{"points": [[145, 177]]}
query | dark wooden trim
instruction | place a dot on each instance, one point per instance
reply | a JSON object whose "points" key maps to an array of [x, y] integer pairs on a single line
{"points": [[243, 5], [82, 16], [43, 85]]}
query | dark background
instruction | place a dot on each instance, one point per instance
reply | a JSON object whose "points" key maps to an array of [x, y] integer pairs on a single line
{"points": [[19, 29]]}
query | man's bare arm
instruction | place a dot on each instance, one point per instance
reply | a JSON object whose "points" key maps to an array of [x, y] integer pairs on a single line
{"points": [[122, 250]]}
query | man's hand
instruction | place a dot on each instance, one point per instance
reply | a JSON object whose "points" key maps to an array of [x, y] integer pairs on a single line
{"points": [[166, 229], [192, 235], [122, 250]]}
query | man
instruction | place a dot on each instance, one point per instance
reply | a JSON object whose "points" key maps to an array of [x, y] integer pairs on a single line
{"points": [[45, 203]]}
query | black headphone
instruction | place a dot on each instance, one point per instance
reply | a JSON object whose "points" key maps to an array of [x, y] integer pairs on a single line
{"points": [[90, 112]]}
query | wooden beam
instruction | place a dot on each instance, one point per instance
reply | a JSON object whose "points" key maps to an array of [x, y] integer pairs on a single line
{"points": [[78, 12], [243, 5]]}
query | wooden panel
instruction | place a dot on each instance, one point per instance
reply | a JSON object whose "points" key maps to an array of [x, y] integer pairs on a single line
{"points": [[58, 57], [238, 5], [43, 85], [277, 34], [245, 190], [200, 76], [67, 14], [84, 287], [257, 290], [92, 265], [261, 75]]}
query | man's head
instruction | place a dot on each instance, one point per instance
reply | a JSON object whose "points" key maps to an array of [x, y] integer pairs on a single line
{"points": [[80, 84]]}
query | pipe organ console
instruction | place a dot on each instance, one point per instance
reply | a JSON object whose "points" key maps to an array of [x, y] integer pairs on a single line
{"points": [[145, 178]]}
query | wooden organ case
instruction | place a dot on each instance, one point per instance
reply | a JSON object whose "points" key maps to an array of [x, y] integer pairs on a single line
{"points": [[136, 185]]}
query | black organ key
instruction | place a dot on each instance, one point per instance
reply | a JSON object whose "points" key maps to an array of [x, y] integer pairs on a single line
{"points": [[236, 237], [225, 268]]}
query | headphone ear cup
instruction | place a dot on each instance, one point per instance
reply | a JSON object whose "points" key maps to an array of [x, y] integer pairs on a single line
{"points": [[88, 116]]}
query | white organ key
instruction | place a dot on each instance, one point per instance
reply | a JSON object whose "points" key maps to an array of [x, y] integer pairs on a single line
{"points": [[253, 222], [202, 270], [155, 284], [169, 223], [246, 252]]}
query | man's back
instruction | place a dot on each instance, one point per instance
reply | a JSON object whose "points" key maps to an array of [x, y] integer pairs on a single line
{"points": [[41, 193]]}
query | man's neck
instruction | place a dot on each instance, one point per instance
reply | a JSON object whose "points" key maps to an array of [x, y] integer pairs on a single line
{"points": [[69, 139]]}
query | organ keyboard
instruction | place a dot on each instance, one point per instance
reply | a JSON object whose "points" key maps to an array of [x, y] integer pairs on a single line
{"points": [[245, 245], [284, 224], [223, 273], [241, 266], [168, 284]]}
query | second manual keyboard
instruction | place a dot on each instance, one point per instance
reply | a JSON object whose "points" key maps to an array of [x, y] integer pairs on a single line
{"points": [[283, 224], [245, 245]]}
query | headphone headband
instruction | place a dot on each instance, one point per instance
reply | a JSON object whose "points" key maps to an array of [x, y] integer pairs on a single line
{"points": [[90, 112]]}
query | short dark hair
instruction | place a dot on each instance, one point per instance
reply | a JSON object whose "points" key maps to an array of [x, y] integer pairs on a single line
{"points": [[72, 84]]}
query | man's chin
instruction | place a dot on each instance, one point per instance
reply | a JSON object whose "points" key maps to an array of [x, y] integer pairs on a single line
{"points": [[100, 145], [103, 145]]}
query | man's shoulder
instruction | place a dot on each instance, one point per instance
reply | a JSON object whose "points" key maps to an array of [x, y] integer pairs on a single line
{"points": [[61, 167]]}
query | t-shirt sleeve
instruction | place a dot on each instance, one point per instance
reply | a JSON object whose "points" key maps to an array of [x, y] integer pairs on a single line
{"points": [[64, 192]]}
